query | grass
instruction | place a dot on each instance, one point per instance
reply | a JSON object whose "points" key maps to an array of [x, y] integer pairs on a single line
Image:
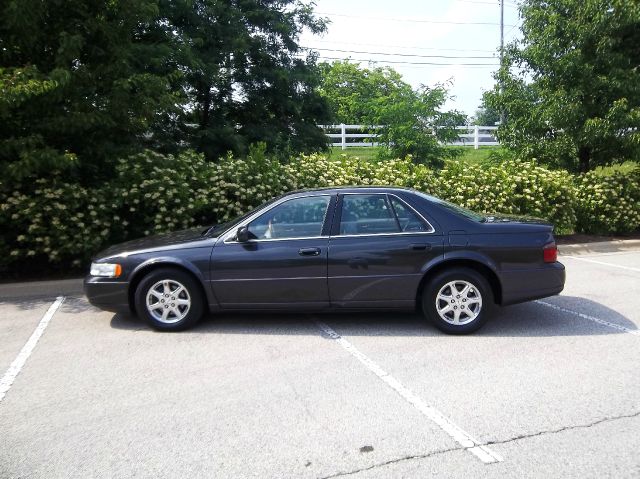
{"points": [[625, 167], [366, 153], [468, 153]]}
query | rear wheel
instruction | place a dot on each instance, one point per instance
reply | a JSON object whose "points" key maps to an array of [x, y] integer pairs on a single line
{"points": [[456, 300], [169, 300]]}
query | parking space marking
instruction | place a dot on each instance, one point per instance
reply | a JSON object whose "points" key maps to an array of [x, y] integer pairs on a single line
{"points": [[482, 452], [635, 332], [630, 268], [17, 364]]}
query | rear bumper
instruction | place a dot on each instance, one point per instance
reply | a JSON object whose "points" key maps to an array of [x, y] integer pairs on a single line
{"points": [[528, 284], [108, 295]]}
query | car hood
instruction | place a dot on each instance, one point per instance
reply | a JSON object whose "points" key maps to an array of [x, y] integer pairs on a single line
{"points": [[158, 242]]}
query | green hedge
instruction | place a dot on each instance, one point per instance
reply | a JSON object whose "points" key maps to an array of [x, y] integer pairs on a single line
{"points": [[57, 222], [609, 202]]}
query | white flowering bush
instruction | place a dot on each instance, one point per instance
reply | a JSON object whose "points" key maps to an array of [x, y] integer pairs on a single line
{"points": [[609, 203], [477, 187], [60, 222], [512, 187], [56, 222], [536, 191], [235, 186], [159, 193], [317, 171]]}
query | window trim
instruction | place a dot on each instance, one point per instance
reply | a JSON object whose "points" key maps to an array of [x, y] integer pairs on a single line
{"points": [[399, 233], [228, 237]]}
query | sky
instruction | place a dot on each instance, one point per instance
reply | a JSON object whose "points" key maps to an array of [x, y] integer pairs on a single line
{"points": [[420, 31]]}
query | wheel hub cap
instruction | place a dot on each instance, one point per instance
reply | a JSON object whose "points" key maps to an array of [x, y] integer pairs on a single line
{"points": [[168, 301], [458, 302]]}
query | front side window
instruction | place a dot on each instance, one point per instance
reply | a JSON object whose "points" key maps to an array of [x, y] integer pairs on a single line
{"points": [[367, 214], [296, 218]]}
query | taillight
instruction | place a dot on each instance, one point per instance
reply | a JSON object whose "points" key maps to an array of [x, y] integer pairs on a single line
{"points": [[550, 253]]}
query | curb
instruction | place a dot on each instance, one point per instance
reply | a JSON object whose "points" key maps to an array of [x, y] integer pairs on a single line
{"points": [[599, 247], [42, 289]]}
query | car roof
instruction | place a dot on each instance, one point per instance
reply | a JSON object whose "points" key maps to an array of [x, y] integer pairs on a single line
{"points": [[353, 189]]}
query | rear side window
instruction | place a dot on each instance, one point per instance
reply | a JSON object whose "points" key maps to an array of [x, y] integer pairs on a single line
{"points": [[408, 219], [367, 214]]}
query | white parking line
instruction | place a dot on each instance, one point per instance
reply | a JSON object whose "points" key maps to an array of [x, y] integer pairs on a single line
{"points": [[603, 263], [604, 322], [483, 453], [27, 349]]}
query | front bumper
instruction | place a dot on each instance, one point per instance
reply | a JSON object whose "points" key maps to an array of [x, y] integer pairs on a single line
{"points": [[107, 294], [528, 284]]}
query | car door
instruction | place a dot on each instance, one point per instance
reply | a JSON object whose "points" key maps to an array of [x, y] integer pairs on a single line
{"points": [[284, 263], [377, 251]]}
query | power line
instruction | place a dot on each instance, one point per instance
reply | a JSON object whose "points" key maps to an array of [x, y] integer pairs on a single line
{"points": [[412, 20], [404, 46], [492, 65], [399, 54], [484, 3]]}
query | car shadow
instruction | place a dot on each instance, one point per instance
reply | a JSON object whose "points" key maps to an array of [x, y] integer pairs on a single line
{"points": [[527, 319]]}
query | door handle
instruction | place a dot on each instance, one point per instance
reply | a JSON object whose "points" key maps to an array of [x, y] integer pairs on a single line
{"points": [[309, 251], [420, 246]]}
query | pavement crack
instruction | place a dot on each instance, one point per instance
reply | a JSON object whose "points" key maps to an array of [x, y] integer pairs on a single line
{"points": [[488, 443], [392, 461], [564, 428]]}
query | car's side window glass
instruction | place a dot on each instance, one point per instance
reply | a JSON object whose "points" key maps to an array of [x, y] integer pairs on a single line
{"points": [[296, 218], [408, 219], [367, 214]]}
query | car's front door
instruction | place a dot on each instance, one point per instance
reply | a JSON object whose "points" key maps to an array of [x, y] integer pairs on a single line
{"points": [[284, 263], [378, 251]]}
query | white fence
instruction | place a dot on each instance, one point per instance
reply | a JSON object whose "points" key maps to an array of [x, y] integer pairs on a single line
{"points": [[472, 135]]}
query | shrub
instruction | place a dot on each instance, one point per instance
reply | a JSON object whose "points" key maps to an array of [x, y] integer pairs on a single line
{"points": [[479, 188], [609, 203], [513, 187], [236, 186], [56, 221], [536, 191], [158, 193]]}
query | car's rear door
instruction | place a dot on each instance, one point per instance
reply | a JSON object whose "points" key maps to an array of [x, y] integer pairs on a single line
{"points": [[377, 251], [284, 264]]}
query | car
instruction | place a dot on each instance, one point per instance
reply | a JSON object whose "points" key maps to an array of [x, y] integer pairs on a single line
{"points": [[335, 249]]}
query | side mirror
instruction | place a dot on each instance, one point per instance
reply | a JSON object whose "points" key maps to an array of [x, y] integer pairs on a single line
{"points": [[242, 236]]}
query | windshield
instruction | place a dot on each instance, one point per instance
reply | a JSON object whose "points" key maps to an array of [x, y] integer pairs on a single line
{"points": [[472, 215]]}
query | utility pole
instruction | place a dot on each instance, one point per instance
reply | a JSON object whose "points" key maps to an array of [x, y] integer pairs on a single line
{"points": [[501, 49], [501, 30]]}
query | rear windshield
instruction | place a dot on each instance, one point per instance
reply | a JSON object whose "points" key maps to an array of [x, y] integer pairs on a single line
{"points": [[459, 210]]}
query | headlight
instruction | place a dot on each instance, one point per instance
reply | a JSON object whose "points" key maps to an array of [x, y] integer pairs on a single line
{"points": [[107, 270]]}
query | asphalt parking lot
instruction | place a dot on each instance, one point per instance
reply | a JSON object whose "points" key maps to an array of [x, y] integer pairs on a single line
{"points": [[547, 389]]}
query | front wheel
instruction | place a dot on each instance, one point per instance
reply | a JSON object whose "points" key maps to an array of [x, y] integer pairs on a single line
{"points": [[456, 301], [169, 300]]}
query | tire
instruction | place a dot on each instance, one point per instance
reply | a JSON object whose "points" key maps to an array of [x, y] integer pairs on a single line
{"points": [[158, 304], [468, 308]]}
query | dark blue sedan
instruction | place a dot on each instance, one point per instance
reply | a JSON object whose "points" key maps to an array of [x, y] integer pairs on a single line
{"points": [[373, 248]]}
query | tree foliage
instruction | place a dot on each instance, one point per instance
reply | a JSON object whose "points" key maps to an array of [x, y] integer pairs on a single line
{"points": [[84, 83], [247, 80], [412, 121], [571, 87], [79, 82]]}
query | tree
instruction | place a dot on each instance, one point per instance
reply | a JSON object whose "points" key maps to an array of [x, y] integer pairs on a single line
{"points": [[571, 87], [80, 83], [247, 79], [486, 116], [85, 83], [412, 121]]}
